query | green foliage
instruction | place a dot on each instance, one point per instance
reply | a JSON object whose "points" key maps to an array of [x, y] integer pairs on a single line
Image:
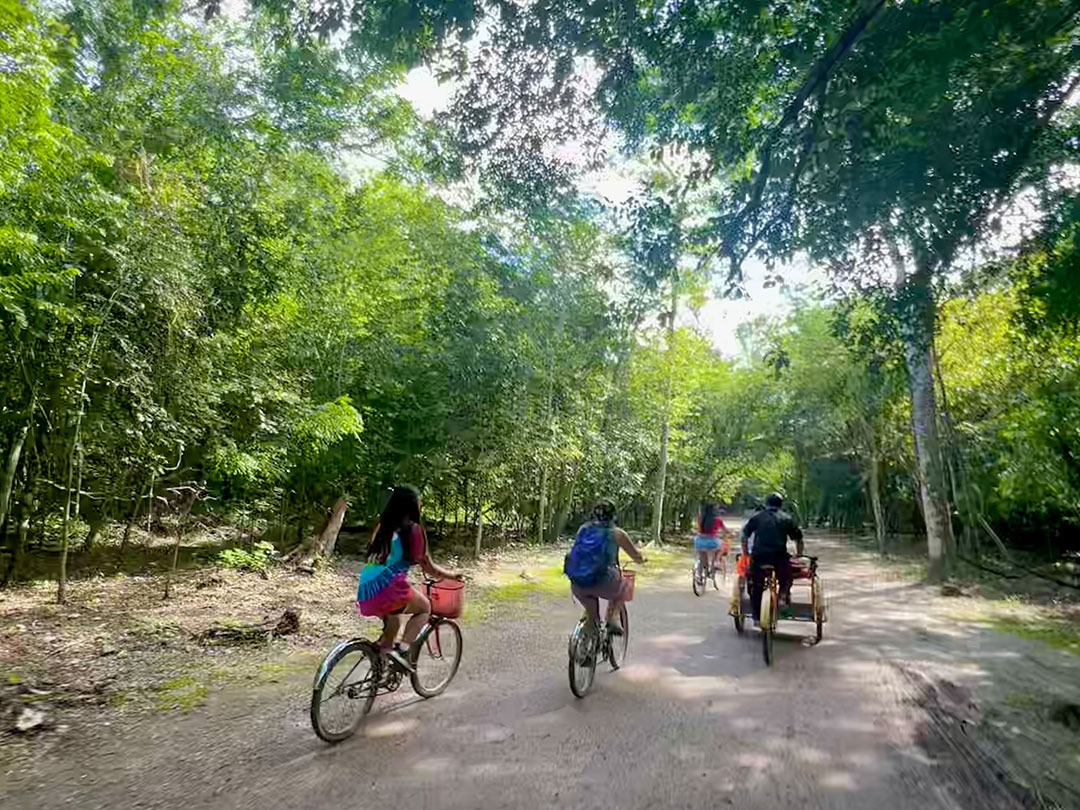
{"points": [[258, 558], [226, 255]]}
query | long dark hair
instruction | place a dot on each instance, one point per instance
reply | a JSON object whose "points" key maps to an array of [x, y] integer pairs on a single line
{"points": [[401, 512], [707, 516]]}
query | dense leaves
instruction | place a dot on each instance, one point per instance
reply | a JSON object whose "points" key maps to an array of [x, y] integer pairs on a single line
{"points": [[229, 254]]}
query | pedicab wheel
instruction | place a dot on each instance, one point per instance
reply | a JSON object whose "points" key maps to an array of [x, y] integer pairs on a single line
{"points": [[817, 600], [768, 624], [344, 689], [582, 666]]}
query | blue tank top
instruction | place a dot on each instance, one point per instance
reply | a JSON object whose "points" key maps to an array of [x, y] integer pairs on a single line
{"points": [[376, 576]]}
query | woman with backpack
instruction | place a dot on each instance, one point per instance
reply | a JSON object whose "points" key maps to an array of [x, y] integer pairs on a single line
{"points": [[592, 564]]}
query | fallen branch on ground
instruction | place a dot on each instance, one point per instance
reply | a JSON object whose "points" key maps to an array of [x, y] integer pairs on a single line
{"points": [[262, 633]]}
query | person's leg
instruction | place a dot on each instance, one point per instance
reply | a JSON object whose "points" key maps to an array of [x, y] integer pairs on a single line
{"points": [[783, 569], [391, 625], [589, 602], [420, 608], [757, 576], [612, 611]]}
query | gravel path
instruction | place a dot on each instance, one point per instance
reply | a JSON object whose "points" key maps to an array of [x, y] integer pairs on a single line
{"points": [[694, 720]]}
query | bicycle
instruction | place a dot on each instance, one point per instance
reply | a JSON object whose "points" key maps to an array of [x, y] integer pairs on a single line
{"points": [[591, 642], [699, 575], [434, 657]]}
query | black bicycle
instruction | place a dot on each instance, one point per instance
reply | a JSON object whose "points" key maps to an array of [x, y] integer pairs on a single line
{"points": [[591, 642], [354, 672]]}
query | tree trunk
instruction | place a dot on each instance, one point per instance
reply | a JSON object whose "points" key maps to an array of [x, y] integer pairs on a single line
{"points": [[327, 540], [12, 467], [661, 480], [665, 427], [566, 498], [96, 522], [61, 585], [917, 332], [26, 511], [133, 517], [175, 559], [874, 485], [543, 505], [479, 530]]}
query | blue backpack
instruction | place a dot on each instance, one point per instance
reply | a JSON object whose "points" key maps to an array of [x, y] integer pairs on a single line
{"points": [[590, 557]]}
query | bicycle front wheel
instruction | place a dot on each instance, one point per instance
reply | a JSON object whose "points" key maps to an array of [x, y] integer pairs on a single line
{"points": [[344, 689], [582, 667], [617, 645], [435, 655]]}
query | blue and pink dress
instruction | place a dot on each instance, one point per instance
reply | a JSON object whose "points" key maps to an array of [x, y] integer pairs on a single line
{"points": [[384, 587]]}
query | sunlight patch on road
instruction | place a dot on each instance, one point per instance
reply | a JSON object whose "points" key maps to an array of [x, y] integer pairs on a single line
{"points": [[673, 641], [753, 760], [435, 765], [640, 673], [392, 728], [838, 780]]}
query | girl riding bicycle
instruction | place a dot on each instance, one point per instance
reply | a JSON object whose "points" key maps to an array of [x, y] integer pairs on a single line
{"points": [[384, 590], [707, 545]]}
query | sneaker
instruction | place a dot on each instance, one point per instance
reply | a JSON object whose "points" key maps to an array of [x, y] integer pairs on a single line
{"points": [[614, 629], [757, 624], [400, 658]]}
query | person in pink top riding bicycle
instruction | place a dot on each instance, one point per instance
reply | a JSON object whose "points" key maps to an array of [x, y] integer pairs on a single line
{"points": [[709, 525], [384, 590]]}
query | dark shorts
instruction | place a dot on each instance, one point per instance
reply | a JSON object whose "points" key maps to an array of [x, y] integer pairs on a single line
{"points": [[611, 589]]}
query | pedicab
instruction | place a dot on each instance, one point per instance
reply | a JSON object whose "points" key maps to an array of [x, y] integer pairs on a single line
{"points": [[804, 581]]}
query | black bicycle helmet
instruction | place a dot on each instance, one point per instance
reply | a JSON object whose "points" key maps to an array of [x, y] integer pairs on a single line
{"points": [[774, 500]]}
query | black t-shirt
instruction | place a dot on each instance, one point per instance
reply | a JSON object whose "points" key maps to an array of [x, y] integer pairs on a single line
{"points": [[771, 529]]}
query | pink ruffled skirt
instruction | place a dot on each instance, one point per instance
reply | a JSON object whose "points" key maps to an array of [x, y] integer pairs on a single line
{"points": [[391, 598]]}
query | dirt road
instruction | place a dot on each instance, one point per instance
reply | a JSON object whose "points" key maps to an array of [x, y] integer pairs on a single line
{"points": [[866, 719]]}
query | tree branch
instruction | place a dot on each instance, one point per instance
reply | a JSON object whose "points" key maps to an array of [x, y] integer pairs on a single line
{"points": [[815, 77]]}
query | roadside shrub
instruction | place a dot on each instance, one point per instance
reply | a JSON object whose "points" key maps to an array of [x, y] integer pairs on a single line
{"points": [[258, 558]]}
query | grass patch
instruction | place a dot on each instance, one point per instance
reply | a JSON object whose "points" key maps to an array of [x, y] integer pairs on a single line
{"points": [[277, 671], [183, 692], [1020, 700], [1058, 633], [1019, 618], [487, 601], [550, 581], [902, 569]]}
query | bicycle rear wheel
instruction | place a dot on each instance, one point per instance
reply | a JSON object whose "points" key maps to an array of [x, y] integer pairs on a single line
{"points": [[582, 666], [698, 577], [344, 689], [435, 656], [617, 645]]}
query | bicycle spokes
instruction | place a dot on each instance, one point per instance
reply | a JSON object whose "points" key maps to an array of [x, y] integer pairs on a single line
{"points": [[434, 643]]}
